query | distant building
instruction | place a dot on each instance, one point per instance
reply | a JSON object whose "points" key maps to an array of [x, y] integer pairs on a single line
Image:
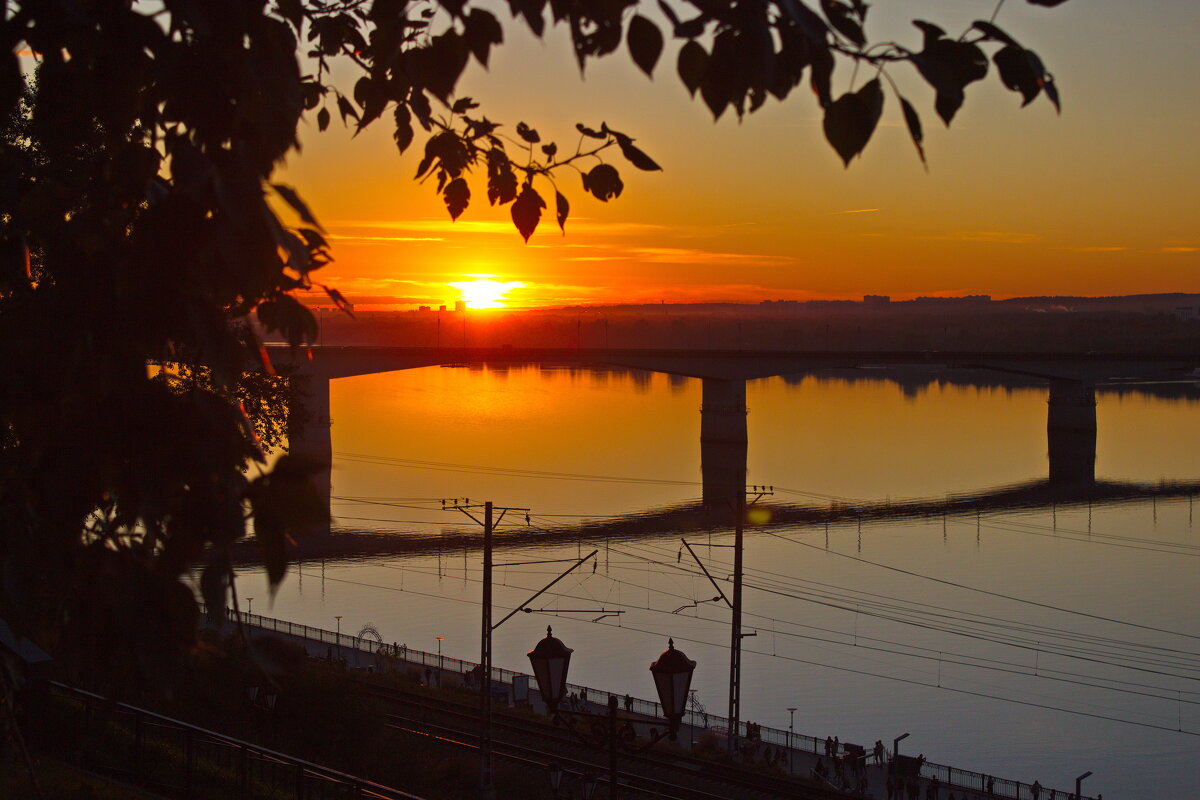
{"points": [[424, 308], [460, 305], [441, 308], [876, 299], [1187, 312]]}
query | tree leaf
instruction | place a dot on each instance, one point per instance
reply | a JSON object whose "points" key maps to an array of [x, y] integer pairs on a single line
{"points": [[285, 504], [323, 119], [949, 65], [635, 156], [1019, 72], [913, 121], [604, 182], [527, 211], [502, 181], [527, 133], [1051, 89], [992, 31], [645, 42], [563, 208], [693, 61], [293, 199], [840, 17], [591, 133], [404, 129], [346, 109], [851, 119], [482, 31], [457, 195]]}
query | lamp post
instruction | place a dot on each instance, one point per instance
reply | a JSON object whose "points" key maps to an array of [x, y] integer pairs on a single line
{"points": [[672, 673], [338, 638], [791, 730], [896, 745], [249, 605], [441, 663], [1079, 785]]}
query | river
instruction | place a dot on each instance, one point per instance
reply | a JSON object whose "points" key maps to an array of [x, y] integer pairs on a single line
{"points": [[1032, 642]]}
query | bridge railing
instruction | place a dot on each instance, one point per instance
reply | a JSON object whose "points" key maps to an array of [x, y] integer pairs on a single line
{"points": [[951, 778]]}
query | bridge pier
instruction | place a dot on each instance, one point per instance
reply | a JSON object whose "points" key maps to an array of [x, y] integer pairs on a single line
{"points": [[309, 434], [1071, 431], [723, 445]]}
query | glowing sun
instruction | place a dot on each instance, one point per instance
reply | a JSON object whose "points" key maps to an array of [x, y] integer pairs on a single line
{"points": [[483, 292]]}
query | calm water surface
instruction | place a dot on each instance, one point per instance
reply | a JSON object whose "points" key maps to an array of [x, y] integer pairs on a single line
{"points": [[852, 628]]}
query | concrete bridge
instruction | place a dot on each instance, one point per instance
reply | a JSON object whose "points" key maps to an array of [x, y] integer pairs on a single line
{"points": [[1070, 377]]}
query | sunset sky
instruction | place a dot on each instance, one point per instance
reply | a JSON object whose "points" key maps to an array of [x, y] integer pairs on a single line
{"points": [[1101, 200]]}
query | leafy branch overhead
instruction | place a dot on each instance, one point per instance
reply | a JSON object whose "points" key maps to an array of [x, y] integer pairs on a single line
{"points": [[734, 53]]}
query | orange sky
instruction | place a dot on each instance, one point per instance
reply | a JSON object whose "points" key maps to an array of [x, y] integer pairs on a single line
{"points": [[1016, 201]]}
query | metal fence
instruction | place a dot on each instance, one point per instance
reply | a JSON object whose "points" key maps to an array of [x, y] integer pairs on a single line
{"points": [[171, 756], [951, 778]]}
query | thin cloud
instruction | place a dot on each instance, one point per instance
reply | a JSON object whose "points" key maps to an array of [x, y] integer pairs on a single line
{"points": [[680, 255], [1101, 248], [858, 211], [987, 237], [1179, 249], [383, 239]]}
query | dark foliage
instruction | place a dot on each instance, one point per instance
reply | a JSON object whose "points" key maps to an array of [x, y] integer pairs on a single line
{"points": [[141, 234]]}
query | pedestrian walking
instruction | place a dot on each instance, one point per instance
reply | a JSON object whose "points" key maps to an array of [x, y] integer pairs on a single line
{"points": [[991, 785], [878, 752], [828, 746], [1036, 790]]}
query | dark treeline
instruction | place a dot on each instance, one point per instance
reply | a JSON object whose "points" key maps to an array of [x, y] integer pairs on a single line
{"points": [[813, 327]]}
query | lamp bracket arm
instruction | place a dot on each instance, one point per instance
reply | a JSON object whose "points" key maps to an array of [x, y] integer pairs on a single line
{"points": [[703, 569], [545, 588]]}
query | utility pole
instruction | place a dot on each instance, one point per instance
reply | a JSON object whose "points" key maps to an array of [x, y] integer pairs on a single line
{"points": [[485, 657], [735, 643], [485, 635], [736, 635]]}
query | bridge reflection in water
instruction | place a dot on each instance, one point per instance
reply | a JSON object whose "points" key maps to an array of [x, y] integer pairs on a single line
{"points": [[1070, 428]]}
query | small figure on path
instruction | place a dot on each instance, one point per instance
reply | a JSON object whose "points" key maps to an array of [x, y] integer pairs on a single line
{"points": [[991, 785], [878, 752], [828, 746], [1036, 790]]}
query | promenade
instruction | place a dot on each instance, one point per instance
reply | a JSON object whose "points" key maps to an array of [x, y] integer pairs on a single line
{"points": [[787, 751]]}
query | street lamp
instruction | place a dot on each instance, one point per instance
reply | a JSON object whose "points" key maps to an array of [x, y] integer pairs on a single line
{"points": [[672, 678], [791, 728], [249, 605], [338, 638], [550, 660], [1079, 785], [896, 744]]}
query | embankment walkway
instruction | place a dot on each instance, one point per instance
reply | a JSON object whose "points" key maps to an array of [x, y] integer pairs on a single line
{"points": [[793, 752]]}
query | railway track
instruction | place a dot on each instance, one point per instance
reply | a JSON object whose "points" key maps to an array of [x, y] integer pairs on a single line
{"points": [[675, 776]]}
